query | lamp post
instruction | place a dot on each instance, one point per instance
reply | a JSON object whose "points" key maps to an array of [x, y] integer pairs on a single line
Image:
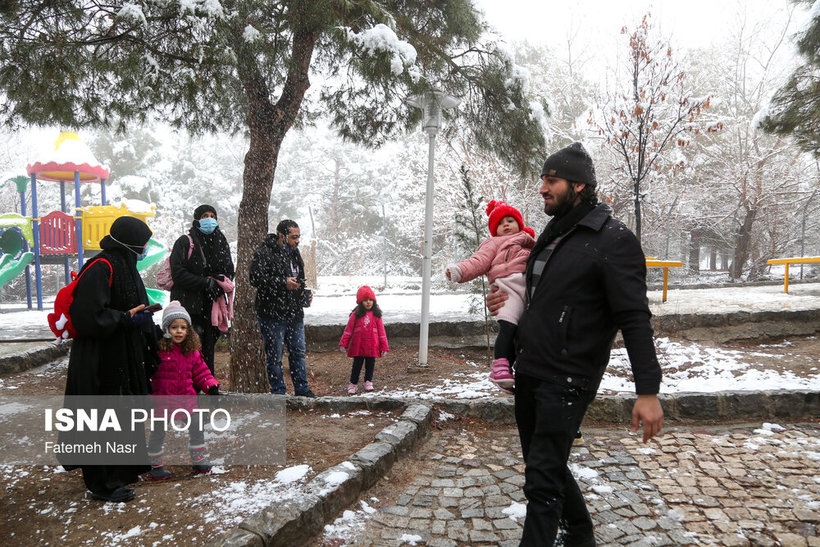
{"points": [[432, 103]]}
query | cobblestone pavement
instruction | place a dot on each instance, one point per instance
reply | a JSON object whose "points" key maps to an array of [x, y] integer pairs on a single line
{"points": [[735, 484]]}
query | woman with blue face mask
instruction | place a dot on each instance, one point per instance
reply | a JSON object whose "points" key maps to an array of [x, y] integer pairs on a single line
{"points": [[198, 260]]}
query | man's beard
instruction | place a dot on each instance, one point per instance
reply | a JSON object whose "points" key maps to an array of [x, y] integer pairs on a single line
{"points": [[563, 205]]}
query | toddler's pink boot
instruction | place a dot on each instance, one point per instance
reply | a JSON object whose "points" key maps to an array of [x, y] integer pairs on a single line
{"points": [[501, 375], [351, 389]]}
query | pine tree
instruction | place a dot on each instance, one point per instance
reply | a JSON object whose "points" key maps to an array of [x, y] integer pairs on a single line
{"points": [[795, 108], [246, 66]]}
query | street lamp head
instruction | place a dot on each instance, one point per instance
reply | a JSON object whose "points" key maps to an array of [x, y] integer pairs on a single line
{"points": [[432, 103]]}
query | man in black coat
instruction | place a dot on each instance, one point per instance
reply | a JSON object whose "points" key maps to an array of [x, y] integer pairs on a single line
{"points": [[586, 279], [278, 273]]}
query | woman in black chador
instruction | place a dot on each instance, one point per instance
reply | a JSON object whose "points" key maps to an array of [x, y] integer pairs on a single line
{"points": [[196, 271], [114, 352]]}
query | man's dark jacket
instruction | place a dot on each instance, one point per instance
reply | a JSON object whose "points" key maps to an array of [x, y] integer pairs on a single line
{"points": [[594, 283], [270, 267]]}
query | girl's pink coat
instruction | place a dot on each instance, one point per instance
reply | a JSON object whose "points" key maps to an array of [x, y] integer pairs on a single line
{"points": [[364, 336], [497, 257], [177, 374]]}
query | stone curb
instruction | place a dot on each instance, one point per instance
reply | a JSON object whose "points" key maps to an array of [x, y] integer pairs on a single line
{"points": [[689, 407], [717, 327], [293, 522], [19, 362]]}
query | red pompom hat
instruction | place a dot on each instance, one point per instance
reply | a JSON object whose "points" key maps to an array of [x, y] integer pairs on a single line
{"points": [[497, 210], [364, 293]]}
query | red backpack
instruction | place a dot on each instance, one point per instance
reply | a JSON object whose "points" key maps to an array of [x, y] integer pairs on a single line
{"points": [[60, 321]]}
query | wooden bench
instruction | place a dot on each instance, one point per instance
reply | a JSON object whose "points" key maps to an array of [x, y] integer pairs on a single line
{"points": [[794, 260], [652, 262]]}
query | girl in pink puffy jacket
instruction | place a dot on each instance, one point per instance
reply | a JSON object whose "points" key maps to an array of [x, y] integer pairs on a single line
{"points": [[364, 338], [503, 258], [181, 371]]}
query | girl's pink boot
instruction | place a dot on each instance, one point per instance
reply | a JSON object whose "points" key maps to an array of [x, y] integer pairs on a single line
{"points": [[501, 375]]}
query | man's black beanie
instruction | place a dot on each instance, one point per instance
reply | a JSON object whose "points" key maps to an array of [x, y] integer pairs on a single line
{"points": [[571, 163]]}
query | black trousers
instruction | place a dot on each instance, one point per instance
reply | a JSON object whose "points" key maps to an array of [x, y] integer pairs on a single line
{"points": [[549, 415], [208, 334], [505, 341], [369, 366]]}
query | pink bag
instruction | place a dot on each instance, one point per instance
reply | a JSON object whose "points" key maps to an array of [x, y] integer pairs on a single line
{"points": [[163, 277]]}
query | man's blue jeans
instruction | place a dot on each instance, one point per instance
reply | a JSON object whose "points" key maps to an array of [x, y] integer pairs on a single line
{"points": [[277, 333]]}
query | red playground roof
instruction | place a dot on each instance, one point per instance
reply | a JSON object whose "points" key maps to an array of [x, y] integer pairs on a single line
{"points": [[69, 154]]}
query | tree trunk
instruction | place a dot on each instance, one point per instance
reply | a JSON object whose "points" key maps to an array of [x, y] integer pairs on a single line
{"points": [[637, 190], [268, 126], [694, 251], [743, 243]]}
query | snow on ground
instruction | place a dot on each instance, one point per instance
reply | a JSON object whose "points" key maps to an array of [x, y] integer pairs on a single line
{"points": [[688, 366], [709, 369]]}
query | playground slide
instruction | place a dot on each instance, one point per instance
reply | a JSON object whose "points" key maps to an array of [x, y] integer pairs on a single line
{"points": [[158, 296], [155, 252], [11, 268]]}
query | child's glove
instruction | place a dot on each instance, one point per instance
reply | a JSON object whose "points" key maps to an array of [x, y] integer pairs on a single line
{"points": [[343, 349], [214, 390], [453, 273], [382, 353]]}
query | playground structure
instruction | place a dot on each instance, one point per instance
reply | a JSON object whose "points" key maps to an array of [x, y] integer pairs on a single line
{"points": [[59, 236]]}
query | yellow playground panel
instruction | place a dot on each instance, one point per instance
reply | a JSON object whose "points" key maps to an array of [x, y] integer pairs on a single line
{"points": [[97, 220]]}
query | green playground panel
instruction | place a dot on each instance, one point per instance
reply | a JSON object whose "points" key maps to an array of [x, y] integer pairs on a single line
{"points": [[158, 296], [13, 220], [155, 252]]}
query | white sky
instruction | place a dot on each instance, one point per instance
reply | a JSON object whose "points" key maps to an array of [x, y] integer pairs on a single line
{"points": [[693, 23], [596, 24]]}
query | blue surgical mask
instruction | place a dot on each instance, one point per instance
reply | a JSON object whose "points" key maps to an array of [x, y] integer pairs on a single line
{"points": [[207, 225], [141, 255]]}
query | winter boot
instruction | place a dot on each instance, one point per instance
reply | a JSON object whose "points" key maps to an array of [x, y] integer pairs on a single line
{"points": [[351, 389], [199, 460], [368, 386], [157, 473], [501, 375]]}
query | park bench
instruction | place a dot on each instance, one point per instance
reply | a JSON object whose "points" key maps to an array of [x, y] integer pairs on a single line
{"points": [[652, 262], [793, 260]]}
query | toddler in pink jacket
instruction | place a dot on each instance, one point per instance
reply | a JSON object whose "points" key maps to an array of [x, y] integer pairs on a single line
{"points": [[181, 371], [364, 338], [503, 258]]}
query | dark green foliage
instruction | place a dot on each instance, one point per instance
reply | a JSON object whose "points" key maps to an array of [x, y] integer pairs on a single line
{"points": [[795, 108], [85, 63]]}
